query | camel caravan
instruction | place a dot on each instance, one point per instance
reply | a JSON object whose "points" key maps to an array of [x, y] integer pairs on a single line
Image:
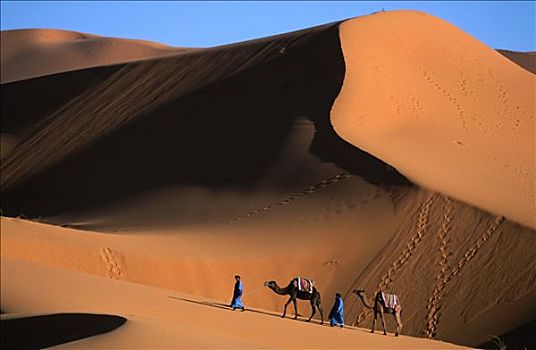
{"points": [[304, 289]]}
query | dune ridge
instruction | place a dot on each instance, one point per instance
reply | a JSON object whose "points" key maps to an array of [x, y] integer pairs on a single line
{"points": [[60, 51], [50, 141], [464, 128], [30, 53]]}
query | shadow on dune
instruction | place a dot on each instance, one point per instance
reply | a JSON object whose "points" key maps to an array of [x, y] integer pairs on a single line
{"points": [[19, 114], [37, 332], [225, 135], [227, 307], [521, 338], [205, 303]]}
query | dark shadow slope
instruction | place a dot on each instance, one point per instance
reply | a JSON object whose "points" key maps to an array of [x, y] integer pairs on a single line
{"points": [[521, 338], [24, 103], [526, 60], [38, 332]]}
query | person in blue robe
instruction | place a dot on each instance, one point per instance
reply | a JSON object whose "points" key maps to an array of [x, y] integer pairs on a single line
{"points": [[236, 303], [336, 315]]}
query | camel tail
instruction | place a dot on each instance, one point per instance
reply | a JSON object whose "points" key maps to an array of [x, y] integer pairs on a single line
{"points": [[319, 302]]}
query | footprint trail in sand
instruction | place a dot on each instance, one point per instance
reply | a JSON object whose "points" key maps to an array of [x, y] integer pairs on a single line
{"points": [[113, 268], [309, 190]]}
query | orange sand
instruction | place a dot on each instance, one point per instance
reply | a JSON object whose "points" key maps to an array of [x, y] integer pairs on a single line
{"points": [[159, 318], [444, 109]]}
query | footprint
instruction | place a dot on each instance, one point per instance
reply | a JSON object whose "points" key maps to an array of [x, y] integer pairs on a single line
{"points": [[404, 256], [111, 264], [309, 190]]}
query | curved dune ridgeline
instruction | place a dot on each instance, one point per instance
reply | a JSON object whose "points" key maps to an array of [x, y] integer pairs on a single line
{"points": [[30, 53], [391, 151], [444, 109], [119, 98]]}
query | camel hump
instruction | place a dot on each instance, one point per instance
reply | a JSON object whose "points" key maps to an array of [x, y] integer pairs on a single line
{"points": [[304, 284]]}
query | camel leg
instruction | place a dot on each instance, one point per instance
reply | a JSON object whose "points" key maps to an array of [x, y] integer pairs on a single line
{"points": [[313, 310], [383, 323], [285, 310], [398, 322], [295, 308], [374, 322], [321, 313]]}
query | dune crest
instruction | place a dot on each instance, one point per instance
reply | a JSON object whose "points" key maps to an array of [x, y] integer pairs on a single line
{"points": [[444, 109], [30, 53]]}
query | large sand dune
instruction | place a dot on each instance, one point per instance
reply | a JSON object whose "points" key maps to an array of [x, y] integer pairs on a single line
{"points": [[181, 171], [455, 117]]}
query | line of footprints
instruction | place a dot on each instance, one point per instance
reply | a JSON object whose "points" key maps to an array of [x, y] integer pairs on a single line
{"points": [[445, 273]]}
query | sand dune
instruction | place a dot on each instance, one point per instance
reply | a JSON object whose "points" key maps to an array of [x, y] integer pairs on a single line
{"points": [[185, 170], [463, 127], [159, 318], [110, 133], [29, 53]]}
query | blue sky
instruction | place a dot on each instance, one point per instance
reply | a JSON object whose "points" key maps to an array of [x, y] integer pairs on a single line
{"points": [[499, 24]]}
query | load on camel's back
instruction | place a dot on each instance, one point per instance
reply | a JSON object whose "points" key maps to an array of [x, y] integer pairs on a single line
{"points": [[304, 284], [383, 303]]}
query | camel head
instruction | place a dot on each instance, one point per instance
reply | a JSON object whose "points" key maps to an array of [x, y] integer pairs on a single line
{"points": [[359, 292], [270, 284]]}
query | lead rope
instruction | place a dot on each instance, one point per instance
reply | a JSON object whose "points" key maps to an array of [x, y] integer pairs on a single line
{"points": [[254, 291]]}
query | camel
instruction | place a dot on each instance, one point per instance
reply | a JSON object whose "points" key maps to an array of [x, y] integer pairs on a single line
{"points": [[292, 290], [379, 309]]}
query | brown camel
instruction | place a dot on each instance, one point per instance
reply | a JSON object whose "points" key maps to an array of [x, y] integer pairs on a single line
{"points": [[379, 308], [292, 290]]}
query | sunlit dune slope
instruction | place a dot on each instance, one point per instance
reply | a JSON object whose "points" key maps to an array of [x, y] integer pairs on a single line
{"points": [[447, 111], [28, 53], [159, 318], [344, 236]]}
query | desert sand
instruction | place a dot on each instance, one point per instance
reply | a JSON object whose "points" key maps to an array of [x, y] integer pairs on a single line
{"points": [[159, 318], [325, 153], [447, 127]]}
